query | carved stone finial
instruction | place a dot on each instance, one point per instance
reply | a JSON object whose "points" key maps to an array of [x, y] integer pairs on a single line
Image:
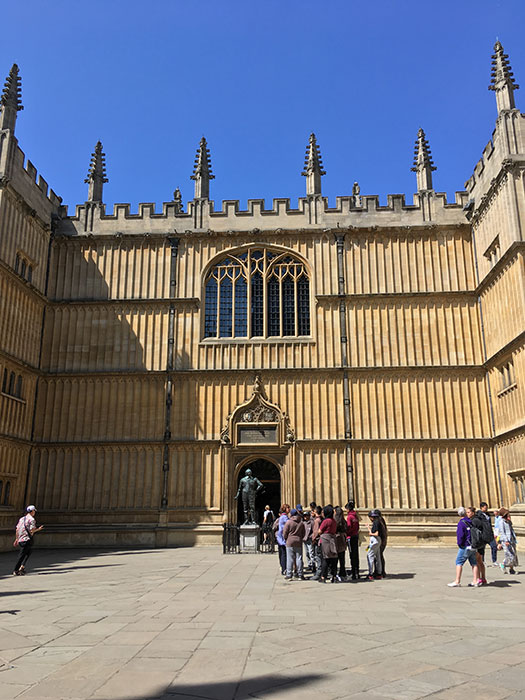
{"points": [[313, 167], [257, 385], [177, 198], [202, 173], [356, 194], [11, 100], [96, 176], [502, 79], [423, 164]]}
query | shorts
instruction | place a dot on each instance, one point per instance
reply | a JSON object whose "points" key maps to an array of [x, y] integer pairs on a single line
{"points": [[464, 554]]}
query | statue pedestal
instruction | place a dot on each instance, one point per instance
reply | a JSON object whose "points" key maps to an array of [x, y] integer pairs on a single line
{"points": [[249, 538]]}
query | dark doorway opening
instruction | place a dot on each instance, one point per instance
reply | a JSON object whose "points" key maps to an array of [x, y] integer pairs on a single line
{"points": [[270, 476]]}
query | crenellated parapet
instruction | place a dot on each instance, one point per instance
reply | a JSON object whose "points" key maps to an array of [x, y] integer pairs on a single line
{"points": [[315, 214], [24, 179]]}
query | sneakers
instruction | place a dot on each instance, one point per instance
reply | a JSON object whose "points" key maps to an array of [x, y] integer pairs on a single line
{"points": [[287, 578], [475, 585], [483, 582], [502, 567], [454, 584], [512, 571], [371, 578]]}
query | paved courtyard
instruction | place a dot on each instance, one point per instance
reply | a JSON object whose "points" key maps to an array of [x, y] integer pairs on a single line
{"points": [[193, 623]]}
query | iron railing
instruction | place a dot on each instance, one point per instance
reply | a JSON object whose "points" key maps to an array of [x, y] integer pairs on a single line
{"points": [[230, 539]]}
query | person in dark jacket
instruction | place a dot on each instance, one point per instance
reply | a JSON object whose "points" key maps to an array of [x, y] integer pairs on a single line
{"points": [[340, 541], [293, 535], [477, 521], [352, 538], [383, 533], [464, 550], [327, 531]]}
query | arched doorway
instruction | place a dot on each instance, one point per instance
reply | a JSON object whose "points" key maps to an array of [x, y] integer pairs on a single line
{"points": [[270, 476]]}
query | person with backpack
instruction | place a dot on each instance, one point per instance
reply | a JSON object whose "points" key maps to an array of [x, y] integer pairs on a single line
{"points": [[484, 508], [268, 520], [465, 551], [481, 535], [25, 529]]}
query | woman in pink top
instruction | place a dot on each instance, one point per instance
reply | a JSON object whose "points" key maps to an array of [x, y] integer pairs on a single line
{"points": [[25, 529], [327, 530]]}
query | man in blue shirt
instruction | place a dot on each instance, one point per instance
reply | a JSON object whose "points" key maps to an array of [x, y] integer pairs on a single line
{"points": [[464, 549]]}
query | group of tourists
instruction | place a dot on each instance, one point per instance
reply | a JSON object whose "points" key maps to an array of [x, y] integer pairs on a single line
{"points": [[474, 532], [324, 535]]}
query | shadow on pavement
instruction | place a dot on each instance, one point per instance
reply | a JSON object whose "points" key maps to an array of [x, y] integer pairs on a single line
{"points": [[248, 689], [46, 561], [22, 592], [503, 584]]}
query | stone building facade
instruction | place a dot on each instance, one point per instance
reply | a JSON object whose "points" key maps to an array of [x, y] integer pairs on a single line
{"points": [[365, 351]]}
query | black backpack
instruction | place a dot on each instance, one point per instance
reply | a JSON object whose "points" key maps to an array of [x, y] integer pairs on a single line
{"points": [[480, 532]]}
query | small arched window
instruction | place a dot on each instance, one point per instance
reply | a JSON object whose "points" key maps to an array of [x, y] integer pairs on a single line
{"points": [[11, 387], [258, 293], [18, 390], [7, 493]]}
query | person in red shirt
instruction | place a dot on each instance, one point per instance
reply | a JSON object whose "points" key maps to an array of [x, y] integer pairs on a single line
{"points": [[352, 538], [327, 531]]}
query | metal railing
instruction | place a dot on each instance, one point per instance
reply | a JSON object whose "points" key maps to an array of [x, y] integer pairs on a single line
{"points": [[230, 539]]}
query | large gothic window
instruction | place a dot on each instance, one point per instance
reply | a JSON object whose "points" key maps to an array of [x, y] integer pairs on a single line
{"points": [[257, 294]]}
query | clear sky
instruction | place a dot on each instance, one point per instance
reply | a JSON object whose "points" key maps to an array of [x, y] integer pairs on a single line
{"points": [[256, 77]]}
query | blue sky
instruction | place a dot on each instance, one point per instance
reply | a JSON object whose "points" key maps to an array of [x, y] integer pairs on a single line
{"points": [[255, 78]]}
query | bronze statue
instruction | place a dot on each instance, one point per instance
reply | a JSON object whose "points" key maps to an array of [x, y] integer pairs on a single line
{"points": [[249, 487]]}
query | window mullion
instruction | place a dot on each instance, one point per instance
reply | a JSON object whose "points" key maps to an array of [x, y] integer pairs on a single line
{"points": [[217, 330]]}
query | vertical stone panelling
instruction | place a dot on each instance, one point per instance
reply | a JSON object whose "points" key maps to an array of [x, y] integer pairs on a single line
{"points": [[417, 406], [98, 479], [503, 304], [321, 474], [101, 408], [195, 477], [413, 477]]}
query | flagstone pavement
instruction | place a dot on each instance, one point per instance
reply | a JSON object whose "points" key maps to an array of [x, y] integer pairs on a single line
{"points": [[194, 623]]}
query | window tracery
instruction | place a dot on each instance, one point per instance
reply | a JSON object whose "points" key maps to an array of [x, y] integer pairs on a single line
{"points": [[257, 293]]}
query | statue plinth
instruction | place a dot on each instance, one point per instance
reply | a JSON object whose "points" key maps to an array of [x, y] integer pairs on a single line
{"points": [[249, 538]]}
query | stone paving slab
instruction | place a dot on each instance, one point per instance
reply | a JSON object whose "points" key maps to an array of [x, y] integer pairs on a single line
{"points": [[189, 624]]}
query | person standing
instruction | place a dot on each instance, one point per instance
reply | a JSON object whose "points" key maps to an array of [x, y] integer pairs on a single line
{"points": [[293, 534], [268, 520], [507, 542], [374, 546], [383, 533], [484, 508], [281, 544], [464, 550], [327, 531], [25, 530], [309, 547], [352, 539], [317, 554], [340, 541]]}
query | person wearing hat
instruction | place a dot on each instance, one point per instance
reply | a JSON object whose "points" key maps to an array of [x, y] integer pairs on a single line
{"points": [[25, 529], [374, 547]]}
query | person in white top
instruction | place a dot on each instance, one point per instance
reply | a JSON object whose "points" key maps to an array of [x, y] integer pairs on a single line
{"points": [[25, 529]]}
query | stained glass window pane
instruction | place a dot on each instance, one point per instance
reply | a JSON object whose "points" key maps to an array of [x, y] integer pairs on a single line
{"points": [[241, 307], [257, 305], [225, 308], [303, 305], [288, 306], [274, 325], [210, 314]]}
